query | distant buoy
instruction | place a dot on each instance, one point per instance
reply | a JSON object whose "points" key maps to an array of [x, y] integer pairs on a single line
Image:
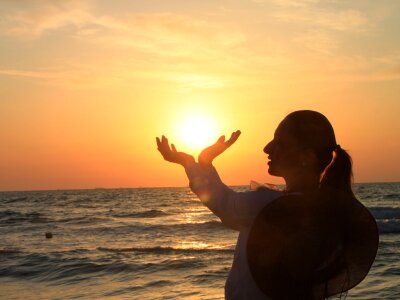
{"points": [[48, 235]]}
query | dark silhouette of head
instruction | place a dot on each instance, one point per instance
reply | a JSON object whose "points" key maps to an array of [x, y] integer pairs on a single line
{"points": [[304, 146]]}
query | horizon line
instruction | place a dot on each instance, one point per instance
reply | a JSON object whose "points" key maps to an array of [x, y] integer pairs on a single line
{"points": [[154, 187]]}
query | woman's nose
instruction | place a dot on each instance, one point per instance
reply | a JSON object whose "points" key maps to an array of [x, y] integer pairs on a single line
{"points": [[267, 148]]}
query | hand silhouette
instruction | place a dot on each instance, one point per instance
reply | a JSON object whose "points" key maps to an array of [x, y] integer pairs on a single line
{"points": [[172, 155], [208, 154]]}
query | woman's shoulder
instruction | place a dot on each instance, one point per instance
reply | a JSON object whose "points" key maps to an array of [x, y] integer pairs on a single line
{"points": [[268, 194], [265, 187]]}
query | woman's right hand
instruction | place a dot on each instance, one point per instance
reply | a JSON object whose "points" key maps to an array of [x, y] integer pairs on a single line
{"points": [[208, 154], [171, 154]]}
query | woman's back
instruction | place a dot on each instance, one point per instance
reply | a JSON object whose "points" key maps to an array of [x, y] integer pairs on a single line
{"points": [[301, 245]]}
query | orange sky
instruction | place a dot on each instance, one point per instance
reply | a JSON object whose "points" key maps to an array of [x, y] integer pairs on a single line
{"points": [[86, 86]]}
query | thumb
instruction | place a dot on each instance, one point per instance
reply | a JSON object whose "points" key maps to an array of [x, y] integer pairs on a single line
{"points": [[221, 139]]}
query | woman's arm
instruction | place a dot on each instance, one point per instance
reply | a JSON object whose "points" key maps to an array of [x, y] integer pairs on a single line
{"points": [[235, 209]]}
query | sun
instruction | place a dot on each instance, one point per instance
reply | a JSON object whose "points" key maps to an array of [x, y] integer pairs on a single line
{"points": [[197, 131]]}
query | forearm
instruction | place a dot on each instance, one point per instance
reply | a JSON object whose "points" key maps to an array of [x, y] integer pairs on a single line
{"points": [[205, 182], [235, 209]]}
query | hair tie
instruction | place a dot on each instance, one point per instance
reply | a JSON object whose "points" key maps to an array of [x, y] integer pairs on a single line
{"points": [[337, 147]]}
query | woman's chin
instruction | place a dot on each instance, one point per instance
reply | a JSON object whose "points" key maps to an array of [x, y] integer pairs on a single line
{"points": [[273, 172]]}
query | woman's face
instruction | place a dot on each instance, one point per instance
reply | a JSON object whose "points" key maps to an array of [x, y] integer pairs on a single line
{"points": [[283, 152]]}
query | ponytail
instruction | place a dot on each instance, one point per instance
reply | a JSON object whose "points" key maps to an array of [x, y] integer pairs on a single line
{"points": [[312, 130], [338, 174]]}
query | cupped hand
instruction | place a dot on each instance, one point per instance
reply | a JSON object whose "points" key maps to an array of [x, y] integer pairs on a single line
{"points": [[208, 154], [171, 154]]}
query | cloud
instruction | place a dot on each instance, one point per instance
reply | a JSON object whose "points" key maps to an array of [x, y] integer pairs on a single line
{"points": [[345, 21], [72, 76], [161, 34], [165, 43], [190, 50], [390, 59], [166, 35], [293, 3], [33, 18], [25, 73], [317, 41], [319, 14]]}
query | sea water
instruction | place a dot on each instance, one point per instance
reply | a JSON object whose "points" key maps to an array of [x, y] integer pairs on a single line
{"points": [[147, 243]]}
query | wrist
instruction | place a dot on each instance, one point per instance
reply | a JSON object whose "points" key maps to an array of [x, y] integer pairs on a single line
{"points": [[189, 163], [205, 163]]}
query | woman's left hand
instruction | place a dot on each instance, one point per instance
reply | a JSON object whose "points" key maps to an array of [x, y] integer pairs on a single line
{"points": [[208, 154], [172, 155]]}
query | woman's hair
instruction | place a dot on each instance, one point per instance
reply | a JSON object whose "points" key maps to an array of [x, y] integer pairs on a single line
{"points": [[312, 130]]}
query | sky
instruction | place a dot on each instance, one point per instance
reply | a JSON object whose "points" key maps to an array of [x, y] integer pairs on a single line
{"points": [[86, 86]]}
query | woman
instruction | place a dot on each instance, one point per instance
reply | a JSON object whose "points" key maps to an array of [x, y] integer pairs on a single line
{"points": [[305, 153]]}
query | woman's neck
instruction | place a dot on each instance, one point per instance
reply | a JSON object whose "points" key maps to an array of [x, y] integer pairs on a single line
{"points": [[302, 183]]}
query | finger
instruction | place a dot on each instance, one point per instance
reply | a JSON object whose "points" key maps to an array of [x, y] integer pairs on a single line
{"points": [[164, 148], [158, 142], [237, 134], [221, 139], [173, 148], [160, 146], [234, 136], [164, 139], [165, 143]]}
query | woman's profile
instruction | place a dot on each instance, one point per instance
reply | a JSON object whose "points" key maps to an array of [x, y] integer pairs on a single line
{"points": [[310, 241]]}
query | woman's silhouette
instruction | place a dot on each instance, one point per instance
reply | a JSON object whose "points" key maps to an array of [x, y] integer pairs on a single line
{"points": [[300, 243]]}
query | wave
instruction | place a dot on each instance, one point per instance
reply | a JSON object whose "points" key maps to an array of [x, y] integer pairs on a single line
{"points": [[385, 212], [10, 251], [391, 196], [10, 216], [388, 226], [63, 268], [149, 229], [159, 283], [210, 276], [200, 225], [82, 220], [15, 199], [153, 213], [166, 250], [177, 227]]}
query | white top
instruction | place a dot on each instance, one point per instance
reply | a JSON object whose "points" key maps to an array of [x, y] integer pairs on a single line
{"points": [[236, 210]]}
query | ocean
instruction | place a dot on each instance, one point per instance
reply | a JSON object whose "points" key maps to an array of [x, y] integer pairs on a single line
{"points": [[147, 243]]}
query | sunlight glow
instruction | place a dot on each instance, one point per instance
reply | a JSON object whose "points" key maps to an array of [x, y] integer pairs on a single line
{"points": [[197, 131]]}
